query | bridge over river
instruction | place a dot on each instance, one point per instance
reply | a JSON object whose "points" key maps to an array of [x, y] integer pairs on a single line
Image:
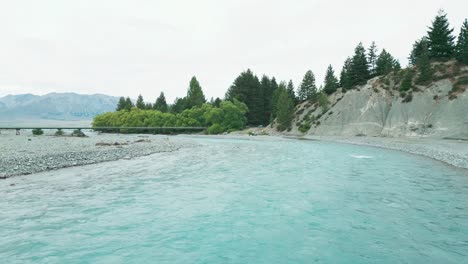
{"points": [[154, 130]]}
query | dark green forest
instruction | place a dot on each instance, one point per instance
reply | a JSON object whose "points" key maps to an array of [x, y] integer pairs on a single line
{"points": [[254, 101]]}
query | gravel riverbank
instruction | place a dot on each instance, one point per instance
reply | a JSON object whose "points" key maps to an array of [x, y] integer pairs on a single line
{"points": [[453, 152], [26, 154]]}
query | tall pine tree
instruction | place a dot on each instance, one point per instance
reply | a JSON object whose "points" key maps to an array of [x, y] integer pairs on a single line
{"points": [[284, 109], [180, 104], [424, 66], [359, 70], [121, 104], [386, 63], [345, 80], [417, 50], [372, 59], [161, 104], [247, 89], [128, 104], [440, 38], [462, 44], [331, 82], [195, 96], [291, 91], [267, 88], [307, 89], [140, 103]]}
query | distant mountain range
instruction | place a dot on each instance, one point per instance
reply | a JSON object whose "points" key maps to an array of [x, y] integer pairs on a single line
{"points": [[55, 106]]}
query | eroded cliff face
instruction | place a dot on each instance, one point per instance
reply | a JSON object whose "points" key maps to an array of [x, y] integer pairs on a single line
{"points": [[380, 109]]}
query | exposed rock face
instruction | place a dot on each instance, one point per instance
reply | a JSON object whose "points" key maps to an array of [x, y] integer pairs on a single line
{"points": [[378, 109]]}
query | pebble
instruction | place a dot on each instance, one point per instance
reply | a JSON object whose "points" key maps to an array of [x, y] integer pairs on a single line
{"points": [[20, 157]]}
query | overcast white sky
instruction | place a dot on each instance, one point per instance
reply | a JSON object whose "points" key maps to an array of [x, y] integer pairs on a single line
{"points": [[127, 47]]}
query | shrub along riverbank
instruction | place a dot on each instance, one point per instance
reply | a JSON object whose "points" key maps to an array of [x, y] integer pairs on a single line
{"points": [[229, 116]]}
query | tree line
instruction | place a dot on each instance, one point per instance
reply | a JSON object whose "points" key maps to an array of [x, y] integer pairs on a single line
{"points": [[266, 99]]}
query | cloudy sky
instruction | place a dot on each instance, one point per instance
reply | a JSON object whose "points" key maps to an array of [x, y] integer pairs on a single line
{"points": [[128, 47]]}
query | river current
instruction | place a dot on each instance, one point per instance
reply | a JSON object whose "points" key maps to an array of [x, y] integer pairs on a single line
{"points": [[241, 201]]}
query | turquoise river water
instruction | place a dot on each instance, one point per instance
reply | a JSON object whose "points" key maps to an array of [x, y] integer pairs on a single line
{"points": [[241, 201]]}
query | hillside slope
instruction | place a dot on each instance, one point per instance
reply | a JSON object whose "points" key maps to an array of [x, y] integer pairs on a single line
{"points": [[379, 109], [55, 106]]}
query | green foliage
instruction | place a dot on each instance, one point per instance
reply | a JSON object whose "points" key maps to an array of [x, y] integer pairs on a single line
{"points": [[419, 47], [359, 70], [440, 38], [215, 129], [323, 102], [372, 59], [424, 66], [408, 98], [229, 116], [386, 63], [128, 104], [121, 104], [331, 82], [345, 78], [78, 133], [140, 104], [407, 81], [268, 88], [59, 132], [37, 132], [274, 100], [195, 96], [248, 89], [124, 104], [292, 94], [160, 104], [285, 110], [307, 89], [460, 84], [180, 104], [304, 127], [462, 44]]}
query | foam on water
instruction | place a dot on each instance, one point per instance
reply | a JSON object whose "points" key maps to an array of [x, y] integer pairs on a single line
{"points": [[240, 201]]}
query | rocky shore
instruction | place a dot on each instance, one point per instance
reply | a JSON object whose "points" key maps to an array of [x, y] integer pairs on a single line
{"points": [[452, 152], [27, 154]]}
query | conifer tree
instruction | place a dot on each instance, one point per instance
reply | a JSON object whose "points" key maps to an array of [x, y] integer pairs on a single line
{"points": [[148, 106], [396, 65], [418, 47], [345, 80], [359, 70], [247, 89], [121, 104], [268, 89], [440, 38], [307, 89], [161, 104], [140, 104], [407, 81], [217, 102], [385, 63], [424, 66], [180, 104], [195, 96], [284, 109], [291, 91], [372, 59], [331, 82], [462, 44], [128, 104]]}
